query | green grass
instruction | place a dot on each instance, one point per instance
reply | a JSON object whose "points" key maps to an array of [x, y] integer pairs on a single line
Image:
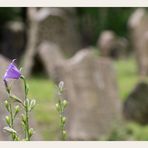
{"points": [[43, 90], [126, 75]]}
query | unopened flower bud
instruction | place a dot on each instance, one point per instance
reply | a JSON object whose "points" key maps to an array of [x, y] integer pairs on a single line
{"points": [[7, 105], [8, 120], [63, 120], [64, 134], [26, 102], [23, 118], [65, 103], [57, 107], [31, 132], [32, 104], [17, 108], [61, 85]]}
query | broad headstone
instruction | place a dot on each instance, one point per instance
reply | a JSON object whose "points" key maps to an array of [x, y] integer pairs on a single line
{"points": [[17, 89], [136, 104], [58, 25], [91, 89], [138, 25]]}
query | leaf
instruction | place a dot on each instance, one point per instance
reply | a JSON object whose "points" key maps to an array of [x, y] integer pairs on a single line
{"points": [[16, 99], [9, 129], [32, 104]]}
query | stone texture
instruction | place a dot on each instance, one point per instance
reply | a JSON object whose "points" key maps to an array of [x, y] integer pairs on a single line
{"points": [[136, 104], [91, 89], [57, 25], [110, 45], [138, 25], [50, 55]]}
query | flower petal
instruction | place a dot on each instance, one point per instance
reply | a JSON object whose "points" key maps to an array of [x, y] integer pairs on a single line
{"points": [[12, 72]]}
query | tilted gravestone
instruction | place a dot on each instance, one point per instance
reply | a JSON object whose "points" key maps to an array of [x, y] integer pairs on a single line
{"points": [[138, 25], [92, 93], [17, 89], [136, 104], [57, 25]]}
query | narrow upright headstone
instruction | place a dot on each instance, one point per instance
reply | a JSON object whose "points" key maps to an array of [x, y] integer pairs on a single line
{"points": [[138, 27], [50, 55]]}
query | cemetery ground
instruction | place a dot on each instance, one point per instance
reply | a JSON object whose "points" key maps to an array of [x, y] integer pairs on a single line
{"points": [[47, 118]]}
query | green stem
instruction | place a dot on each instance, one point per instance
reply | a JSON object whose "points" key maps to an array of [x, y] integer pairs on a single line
{"points": [[10, 109], [27, 124], [61, 121], [11, 115], [27, 136], [12, 120], [62, 129]]}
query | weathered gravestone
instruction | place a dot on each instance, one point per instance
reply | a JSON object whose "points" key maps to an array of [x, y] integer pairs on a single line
{"points": [[136, 105], [91, 89], [57, 25], [138, 25], [110, 45], [50, 55], [17, 89]]}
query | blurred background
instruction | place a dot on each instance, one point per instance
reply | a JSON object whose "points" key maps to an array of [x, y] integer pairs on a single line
{"points": [[101, 54]]}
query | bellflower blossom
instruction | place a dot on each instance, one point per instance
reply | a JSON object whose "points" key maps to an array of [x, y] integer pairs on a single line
{"points": [[12, 72], [27, 105]]}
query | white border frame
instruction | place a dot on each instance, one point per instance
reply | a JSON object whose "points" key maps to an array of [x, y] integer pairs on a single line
{"points": [[74, 3]]}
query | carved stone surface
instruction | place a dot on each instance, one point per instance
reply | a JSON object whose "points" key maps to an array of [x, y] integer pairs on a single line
{"points": [[91, 89]]}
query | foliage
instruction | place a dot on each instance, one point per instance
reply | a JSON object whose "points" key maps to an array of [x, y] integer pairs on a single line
{"points": [[9, 13], [92, 21]]}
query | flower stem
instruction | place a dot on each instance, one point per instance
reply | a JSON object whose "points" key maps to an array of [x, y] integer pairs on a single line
{"points": [[27, 136], [27, 124], [11, 125], [60, 106]]}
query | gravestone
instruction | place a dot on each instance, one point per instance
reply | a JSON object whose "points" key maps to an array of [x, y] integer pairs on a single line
{"points": [[110, 45], [136, 104], [138, 27], [57, 25], [92, 93], [106, 41], [50, 55], [17, 89]]}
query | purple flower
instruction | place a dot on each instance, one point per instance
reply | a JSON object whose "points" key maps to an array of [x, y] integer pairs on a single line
{"points": [[12, 72]]}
